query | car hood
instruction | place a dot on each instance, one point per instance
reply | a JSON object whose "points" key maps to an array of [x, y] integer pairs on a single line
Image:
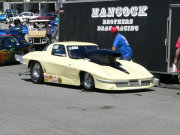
{"points": [[127, 70]]}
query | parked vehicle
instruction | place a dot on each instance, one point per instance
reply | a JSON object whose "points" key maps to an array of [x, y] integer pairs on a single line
{"points": [[25, 16], [16, 31], [81, 63], [46, 16], [2, 17], [37, 34], [11, 48], [10, 13]]}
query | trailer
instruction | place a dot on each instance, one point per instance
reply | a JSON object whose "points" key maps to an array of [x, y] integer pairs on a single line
{"points": [[151, 27]]}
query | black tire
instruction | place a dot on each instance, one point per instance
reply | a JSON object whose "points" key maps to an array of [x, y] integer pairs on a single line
{"points": [[36, 73], [88, 82]]}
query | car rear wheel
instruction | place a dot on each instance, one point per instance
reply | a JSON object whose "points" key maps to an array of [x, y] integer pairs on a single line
{"points": [[88, 82], [36, 72]]}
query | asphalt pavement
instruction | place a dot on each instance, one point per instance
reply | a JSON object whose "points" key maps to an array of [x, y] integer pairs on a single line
{"points": [[48, 109]]}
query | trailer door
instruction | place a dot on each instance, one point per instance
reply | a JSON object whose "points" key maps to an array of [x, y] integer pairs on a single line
{"points": [[173, 34]]}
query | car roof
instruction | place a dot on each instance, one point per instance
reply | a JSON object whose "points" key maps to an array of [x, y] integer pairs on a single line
{"points": [[75, 43], [70, 43]]}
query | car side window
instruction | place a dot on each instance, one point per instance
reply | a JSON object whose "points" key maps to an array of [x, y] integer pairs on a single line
{"points": [[58, 50]]}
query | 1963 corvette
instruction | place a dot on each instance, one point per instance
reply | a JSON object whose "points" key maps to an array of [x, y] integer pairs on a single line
{"points": [[81, 63]]}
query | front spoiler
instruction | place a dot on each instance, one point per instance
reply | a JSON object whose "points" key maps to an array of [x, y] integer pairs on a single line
{"points": [[123, 85]]}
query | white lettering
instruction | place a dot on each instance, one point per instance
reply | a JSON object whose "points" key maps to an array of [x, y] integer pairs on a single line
{"points": [[133, 11], [95, 12], [142, 11], [111, 11], [117, 21], [126, 11], [131, 21], [104, 21], [120, 28], [102, 12], [119, 11]]}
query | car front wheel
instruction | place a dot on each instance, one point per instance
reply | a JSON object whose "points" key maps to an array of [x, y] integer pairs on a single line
{"points": [[88, 82], [36, 72]]}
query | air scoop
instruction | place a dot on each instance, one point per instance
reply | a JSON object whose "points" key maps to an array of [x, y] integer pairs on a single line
{"points": [[103, 56]]}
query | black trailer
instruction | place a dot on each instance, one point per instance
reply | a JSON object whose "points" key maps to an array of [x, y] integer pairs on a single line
{"points": [[151, 27], [1, 6]]}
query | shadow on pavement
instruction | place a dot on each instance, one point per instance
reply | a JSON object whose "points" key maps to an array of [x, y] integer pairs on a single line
{"points": [[95, 90], [10, 64], [170, 82], [125, 91]]}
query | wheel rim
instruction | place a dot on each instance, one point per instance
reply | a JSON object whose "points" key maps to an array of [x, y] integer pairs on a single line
{"points": [[36, 70], [88, 80]]}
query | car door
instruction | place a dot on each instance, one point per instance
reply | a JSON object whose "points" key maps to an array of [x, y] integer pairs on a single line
{"points": [[57, 61], [7, 50]]}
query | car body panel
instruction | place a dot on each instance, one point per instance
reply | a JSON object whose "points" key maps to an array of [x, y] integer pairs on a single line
{"points": [[25, 16], [10, 14], [16, 31], [9, 47], [46, 16], [2, 17], [65, 70]]}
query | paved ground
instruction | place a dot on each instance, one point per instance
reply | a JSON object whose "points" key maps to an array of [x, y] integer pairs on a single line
{"points": [[31, 109]]}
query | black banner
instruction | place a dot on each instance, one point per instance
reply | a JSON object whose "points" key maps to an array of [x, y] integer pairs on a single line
{"points": [[142, 22]]}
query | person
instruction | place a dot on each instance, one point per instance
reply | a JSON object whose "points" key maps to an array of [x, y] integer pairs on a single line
{"points": [[177, 55], [121, 45], [48, 31], [32, 27], [16, 22]]}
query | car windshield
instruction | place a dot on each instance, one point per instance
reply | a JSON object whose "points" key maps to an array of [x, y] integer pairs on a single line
{"points": [[79, 52]]}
